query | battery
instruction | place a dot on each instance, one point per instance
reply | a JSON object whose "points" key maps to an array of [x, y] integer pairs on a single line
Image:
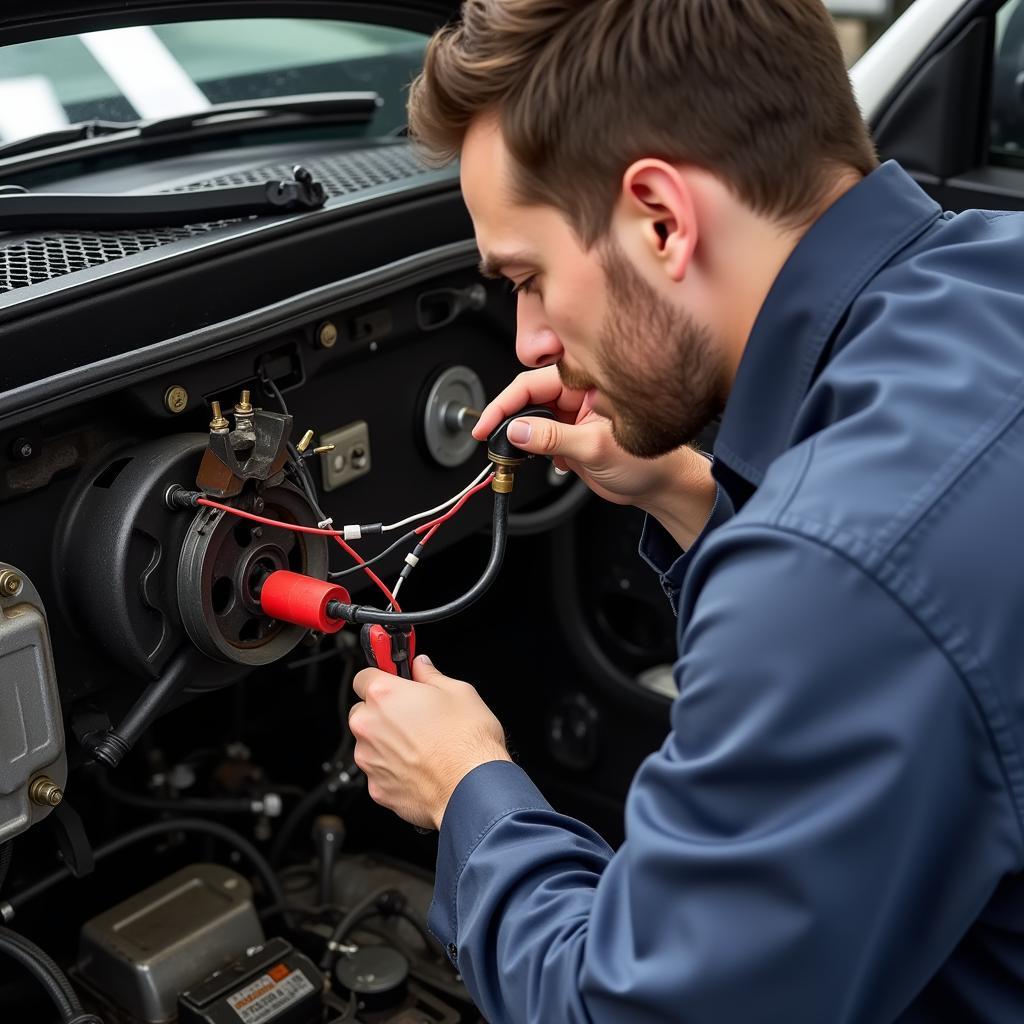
{"points": [[271, 984]]}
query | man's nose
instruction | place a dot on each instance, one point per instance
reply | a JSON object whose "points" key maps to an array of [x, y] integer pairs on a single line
{"points": [[536, 344]]}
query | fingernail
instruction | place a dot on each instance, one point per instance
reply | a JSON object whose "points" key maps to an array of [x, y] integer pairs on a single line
{"points": [[424, 659], [519, 432], [561, 472]]}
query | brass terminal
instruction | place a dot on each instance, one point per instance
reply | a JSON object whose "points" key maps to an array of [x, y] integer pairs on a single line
{"points": [[244, 407], [307, 437], [324, 449], [504, 480], [45, 792], [219, 423]]}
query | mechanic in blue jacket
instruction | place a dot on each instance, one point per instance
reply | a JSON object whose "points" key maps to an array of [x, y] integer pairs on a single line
{"points": [[688, 205]]}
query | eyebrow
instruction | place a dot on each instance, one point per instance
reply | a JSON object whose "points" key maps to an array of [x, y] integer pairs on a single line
{"points": [[494, 264]]}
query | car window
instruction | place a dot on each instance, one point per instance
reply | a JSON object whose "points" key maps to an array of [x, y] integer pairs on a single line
{"points": [[162, 70], [1008, 86]]}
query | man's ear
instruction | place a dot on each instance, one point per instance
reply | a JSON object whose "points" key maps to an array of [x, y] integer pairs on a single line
{"points": [[657, 202]]}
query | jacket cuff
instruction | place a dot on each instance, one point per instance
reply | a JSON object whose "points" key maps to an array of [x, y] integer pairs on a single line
{"points": [[485, 795], [660, 551]]}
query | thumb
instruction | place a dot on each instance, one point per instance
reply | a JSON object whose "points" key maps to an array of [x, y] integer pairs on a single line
{"points": [[539, 436], [423, 671]]}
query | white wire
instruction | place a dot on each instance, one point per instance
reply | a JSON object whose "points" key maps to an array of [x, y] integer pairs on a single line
{"points": [[440, 508]]}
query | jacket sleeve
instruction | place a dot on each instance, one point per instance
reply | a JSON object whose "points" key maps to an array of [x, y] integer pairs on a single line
{"points": [[822, 825]]}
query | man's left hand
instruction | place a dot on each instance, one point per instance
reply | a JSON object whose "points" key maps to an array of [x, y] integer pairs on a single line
{"points": [[417, 740]]}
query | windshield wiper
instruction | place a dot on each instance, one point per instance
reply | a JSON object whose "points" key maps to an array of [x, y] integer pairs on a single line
{"points": [[25, 211], [336, 107]]}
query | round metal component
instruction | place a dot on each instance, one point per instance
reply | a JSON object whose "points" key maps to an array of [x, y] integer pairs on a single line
{"points": [[459, 386], [45, 792], [10, 583], [21, 448], [327, 335], [176, 399], [375, 975], [224, 559]]}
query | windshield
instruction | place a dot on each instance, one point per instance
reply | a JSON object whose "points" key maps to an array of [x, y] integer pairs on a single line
{"points": [[164, 70]]}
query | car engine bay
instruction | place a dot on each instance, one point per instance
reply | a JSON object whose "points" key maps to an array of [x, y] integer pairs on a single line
{"points": [[188, 417]]}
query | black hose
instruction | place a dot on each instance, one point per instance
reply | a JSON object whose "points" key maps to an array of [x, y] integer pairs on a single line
{"points": [[301, 811], [6, 851], [211, 828], [45, 971], [345, 925], [363, 613], [212, 805]]}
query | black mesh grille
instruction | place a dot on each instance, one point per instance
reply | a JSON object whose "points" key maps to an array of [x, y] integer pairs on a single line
{"points": [[340, 175], [29, 261], [48, 256]]}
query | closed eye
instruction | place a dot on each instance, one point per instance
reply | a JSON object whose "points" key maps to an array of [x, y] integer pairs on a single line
{"points": [[525, 287]]}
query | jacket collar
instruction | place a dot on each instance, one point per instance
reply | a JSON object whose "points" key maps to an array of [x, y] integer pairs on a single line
{"points": [[830, 266]]}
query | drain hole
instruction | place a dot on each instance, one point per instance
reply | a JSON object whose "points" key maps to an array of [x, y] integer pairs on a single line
{"points": [[250, 631], [221, 593]]}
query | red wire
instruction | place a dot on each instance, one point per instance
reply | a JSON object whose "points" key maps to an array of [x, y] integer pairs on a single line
{"points": [[435, 523], [336, 534]]}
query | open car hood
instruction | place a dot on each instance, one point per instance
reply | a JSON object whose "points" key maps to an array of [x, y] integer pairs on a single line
{"points": [[22, 20]]}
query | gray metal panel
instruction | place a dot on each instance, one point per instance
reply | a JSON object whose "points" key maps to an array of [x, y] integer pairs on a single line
{"points": [[142, 953], [31, 729]]}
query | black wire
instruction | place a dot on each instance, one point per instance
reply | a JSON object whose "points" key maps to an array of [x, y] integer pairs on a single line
{"points": [[210, 828], [376, 558], [45, 971], [364, 613]]}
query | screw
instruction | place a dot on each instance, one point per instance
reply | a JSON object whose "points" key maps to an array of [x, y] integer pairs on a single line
{"points": [[258, 505], [359, 458], [327, 334], [176, 399], [219, 423], [45, 792], [10, 583], [244, 407], [21, 448]]}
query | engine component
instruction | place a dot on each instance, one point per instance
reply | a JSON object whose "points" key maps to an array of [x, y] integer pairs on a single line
{"points": [[376, 976], [445, 432], [142, 953], [289, 597], [271, 984], [33, 766], [350, 458], [223, 564], [257, 449]]}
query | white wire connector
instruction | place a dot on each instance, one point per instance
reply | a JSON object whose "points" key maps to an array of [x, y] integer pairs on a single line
{"points": [[411, 560], [441, 508], [353, 532], [325, 524]]}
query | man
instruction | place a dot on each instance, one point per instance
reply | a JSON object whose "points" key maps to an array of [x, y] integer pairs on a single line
{"points": [[688, 205]]}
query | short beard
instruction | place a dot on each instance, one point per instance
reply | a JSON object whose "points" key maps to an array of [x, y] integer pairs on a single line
{"points": [[660, 370]]}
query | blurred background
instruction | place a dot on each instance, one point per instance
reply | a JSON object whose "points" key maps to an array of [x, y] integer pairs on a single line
{"points": [[861, 22]]}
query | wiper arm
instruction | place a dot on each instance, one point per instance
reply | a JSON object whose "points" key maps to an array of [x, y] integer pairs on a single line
{"points": [[62, 136], [24, 211], [336, 107]]}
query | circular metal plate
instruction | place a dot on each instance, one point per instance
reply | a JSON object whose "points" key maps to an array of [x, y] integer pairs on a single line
{"points": [[222, 559], [459, 385]]}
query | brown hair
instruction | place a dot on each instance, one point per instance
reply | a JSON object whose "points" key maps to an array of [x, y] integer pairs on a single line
{"points": [[754, 91]]}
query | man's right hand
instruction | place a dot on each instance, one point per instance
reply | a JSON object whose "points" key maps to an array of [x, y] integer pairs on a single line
{"points": [[677, 489]]}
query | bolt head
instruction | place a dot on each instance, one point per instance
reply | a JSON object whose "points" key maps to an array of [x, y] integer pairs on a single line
{"points": [[327, 335], [10, 583], [176, 399]]}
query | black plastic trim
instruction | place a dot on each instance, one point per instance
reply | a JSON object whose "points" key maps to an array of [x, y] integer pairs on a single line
{"points": [[108, 375]]}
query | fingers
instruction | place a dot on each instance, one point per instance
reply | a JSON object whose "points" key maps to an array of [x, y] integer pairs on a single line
{"points": [[534, 387], [583, 443]]}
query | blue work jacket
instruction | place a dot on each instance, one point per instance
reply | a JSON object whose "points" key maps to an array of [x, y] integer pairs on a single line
{"points": [[832, 831]]}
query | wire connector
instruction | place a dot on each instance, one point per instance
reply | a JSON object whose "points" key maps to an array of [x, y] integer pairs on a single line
{"points": [[326, 524], [353, 532], [411, 560]]}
